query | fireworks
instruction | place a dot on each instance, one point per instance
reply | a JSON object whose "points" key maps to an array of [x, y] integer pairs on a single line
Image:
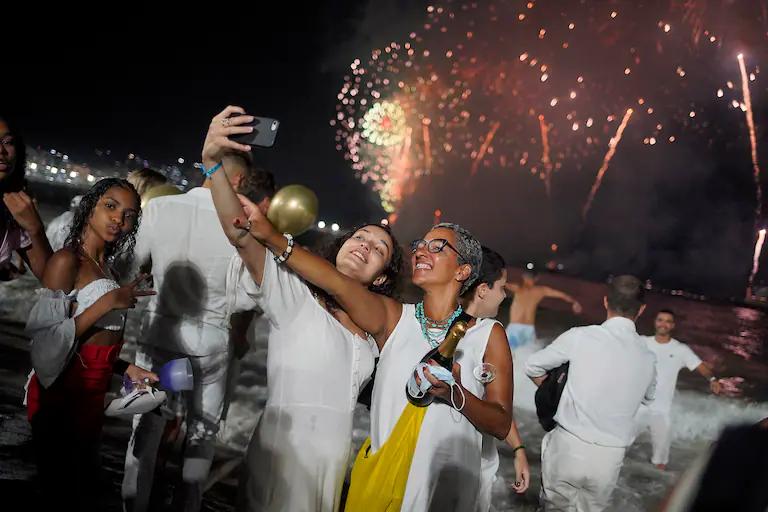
{"points": [[612, 145], [490, 86], [545, 155], [752, 138], [756, 260], [384, 124], [484, 147]]}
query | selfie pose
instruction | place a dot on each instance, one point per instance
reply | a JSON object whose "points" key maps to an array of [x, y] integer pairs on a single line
{"points": [[445, 468], [319, 359]]}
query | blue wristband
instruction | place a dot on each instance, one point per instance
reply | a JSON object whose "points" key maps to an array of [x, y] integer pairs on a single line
{"points": [[209, 172]]}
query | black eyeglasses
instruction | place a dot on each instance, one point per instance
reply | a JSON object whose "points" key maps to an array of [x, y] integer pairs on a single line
{"points": [[434, 246]]}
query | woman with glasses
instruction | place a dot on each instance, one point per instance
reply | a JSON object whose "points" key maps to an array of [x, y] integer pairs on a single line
{"points": [[444, 471], [21, 230]]}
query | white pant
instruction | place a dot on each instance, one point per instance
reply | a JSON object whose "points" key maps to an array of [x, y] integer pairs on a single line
{"points": [[204, 406], [658, 422], [576, 475]]}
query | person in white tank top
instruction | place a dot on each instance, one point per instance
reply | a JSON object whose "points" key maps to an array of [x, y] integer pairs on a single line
{"points": [[445, 471], [482, 300]]}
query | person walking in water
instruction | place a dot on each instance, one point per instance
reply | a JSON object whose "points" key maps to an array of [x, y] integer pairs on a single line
{"points": [[521, 329], [671, 357], [611, 373]]}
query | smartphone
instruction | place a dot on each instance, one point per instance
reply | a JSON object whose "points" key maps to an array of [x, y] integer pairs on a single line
{"points": [[263, 134]]}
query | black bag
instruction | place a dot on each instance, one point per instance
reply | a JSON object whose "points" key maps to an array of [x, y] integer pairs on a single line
{"points": [[366, 394], [548, 396]]}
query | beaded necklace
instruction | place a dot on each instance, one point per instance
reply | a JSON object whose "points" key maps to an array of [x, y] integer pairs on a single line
{"points": [[434, 331]]}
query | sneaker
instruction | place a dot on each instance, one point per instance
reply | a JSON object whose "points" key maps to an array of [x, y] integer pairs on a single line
{"points": [[137, 401]]}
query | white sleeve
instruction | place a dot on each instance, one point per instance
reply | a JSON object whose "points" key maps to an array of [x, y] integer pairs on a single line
{"points": [[242, 292], [281, 294], [52, 328], [58, 230], [555, 354], [650, 392], [691, 360], [142, 250]]}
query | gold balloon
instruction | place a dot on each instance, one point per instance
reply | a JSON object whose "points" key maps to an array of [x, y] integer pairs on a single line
{"points": [[293, 209], [165, 189]]}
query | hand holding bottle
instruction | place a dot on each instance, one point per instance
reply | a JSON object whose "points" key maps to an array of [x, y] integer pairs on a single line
{"points": [[440, 388]]}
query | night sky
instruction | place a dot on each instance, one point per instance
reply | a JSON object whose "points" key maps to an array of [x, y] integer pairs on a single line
{"points": [[148, 84]]}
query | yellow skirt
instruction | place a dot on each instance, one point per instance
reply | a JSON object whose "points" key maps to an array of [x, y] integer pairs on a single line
{"points": [[378, 481]]}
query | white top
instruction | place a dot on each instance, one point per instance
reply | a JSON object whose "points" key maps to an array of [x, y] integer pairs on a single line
{"points": [[190, 255], [489, 466], [611, 372], [445, 472], [670, 359], [112, 321], [300, 451], [58, 229]]}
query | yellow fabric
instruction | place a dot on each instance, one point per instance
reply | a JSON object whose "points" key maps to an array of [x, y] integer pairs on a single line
{"points": [[378, 480]]}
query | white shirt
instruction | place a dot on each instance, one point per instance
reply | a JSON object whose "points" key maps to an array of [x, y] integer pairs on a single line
{"points": [[670, 359], [190, 256], [611, 372], [58, 229], [445, 470], [299, 453]]}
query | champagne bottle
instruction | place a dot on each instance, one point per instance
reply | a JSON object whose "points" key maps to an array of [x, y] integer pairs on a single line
{"points": [[443, 354]]}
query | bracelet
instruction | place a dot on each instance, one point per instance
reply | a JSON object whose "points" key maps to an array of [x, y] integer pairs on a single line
{"points": [[712, 379], [209, 172], [521, 447], [288, 250]]}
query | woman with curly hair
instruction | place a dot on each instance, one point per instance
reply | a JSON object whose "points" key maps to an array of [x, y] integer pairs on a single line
{"points": [[318, 361], [21, 229], [77, 331]]}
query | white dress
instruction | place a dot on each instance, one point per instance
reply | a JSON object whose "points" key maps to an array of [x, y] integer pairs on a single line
{"points": [[489, 466], [445, 472], [299, 454]]}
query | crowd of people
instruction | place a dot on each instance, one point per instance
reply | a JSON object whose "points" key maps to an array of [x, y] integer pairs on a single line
{"points": [[208, 259]]}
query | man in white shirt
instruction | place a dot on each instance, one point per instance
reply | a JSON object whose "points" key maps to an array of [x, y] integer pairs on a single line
{"points": [[181, 238], [611, 372], [671, 357], [59, 227]]}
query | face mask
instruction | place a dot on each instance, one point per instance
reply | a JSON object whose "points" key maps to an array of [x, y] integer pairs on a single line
{"points": [[438, 372]]}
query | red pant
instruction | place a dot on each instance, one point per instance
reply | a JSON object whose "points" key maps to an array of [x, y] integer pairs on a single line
{"points": [[67, 419], [77, 396]]}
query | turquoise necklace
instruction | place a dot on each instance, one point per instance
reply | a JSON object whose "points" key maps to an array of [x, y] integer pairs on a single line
{"points": [[434, 331]]}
